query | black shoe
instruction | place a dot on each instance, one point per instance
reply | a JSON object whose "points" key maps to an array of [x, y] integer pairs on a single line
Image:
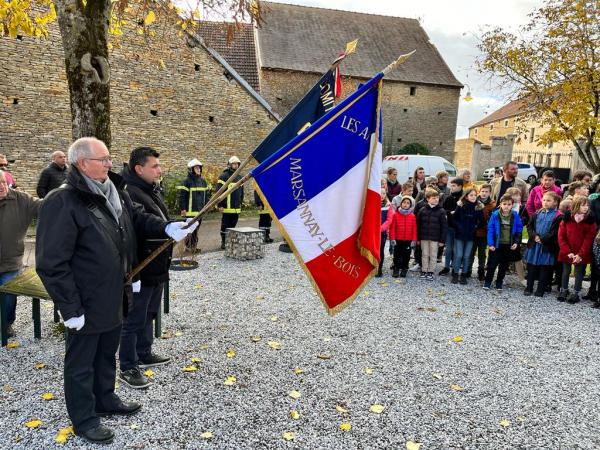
{"points": [[429, 276], [596, 304], [527, 293], [153, 360], [444, 271], [481, 276], [134, 378], [462, 279], [10, 331], [498, 286], [379, 274], [403, 273], [396, 273], [122, 409], [454, 278], [538, 294], [97, 435], [222, 245], [573, 298], [562, 296], [468, 274], [423, 275]]}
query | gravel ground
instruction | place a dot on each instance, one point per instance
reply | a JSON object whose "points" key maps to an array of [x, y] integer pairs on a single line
{"points": [[524, 376]]}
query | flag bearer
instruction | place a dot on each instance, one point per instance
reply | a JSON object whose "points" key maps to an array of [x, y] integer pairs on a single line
{"points": [[193, 193], [230, 206]]}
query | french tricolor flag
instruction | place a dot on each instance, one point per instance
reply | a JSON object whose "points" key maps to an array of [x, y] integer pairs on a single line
{"points": [[323, 189]]}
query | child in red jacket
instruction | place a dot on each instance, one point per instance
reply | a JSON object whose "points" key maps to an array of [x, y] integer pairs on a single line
{"points": [[402, 228], [575, 237]]}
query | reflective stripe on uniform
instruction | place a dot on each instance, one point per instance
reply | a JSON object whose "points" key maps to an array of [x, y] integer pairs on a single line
{"points": [[232, 211]]}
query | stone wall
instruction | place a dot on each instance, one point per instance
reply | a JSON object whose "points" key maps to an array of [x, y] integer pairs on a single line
{"points": [[428, 117], [476, 156], [187, 109]]}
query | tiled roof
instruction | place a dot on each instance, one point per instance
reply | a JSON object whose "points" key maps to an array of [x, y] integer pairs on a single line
{"points": [[306, 39], [240, 52], [511, 109]]}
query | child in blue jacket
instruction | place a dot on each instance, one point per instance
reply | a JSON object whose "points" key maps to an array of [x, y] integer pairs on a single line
{"points": [[503, 238]]}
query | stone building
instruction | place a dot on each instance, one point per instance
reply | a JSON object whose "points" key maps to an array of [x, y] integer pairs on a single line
{"points": [[176, 95], [296, 45], [509, 122]]}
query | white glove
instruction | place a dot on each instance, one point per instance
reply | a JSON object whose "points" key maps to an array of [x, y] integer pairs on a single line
{"points": [[76, 323], [137, 286], [176, 232]]}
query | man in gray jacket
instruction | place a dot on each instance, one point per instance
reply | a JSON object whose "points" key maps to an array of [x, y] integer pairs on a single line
{"points": [[17, 210]]}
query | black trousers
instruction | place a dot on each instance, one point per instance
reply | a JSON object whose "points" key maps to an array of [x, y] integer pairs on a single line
{"points": [[382, 250], [579, 274], [401, 255], [137, 335], [264, 221], [90, 369], [418, 255], [498, 259], [228, 220], [479, 248], [541, 273]]}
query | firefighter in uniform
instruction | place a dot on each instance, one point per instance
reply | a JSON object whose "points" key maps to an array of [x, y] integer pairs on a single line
{"points": [[193, 193], [230, 206], [264, 218]]}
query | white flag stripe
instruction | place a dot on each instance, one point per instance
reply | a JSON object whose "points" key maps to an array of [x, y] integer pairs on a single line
{"points": [[330, 217], [375, 180]]}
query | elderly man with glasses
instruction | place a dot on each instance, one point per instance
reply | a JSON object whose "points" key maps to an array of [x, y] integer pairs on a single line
{"points": [[86, 245]]}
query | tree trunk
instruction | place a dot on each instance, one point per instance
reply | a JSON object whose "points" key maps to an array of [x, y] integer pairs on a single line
{"points": [[84, 31]]}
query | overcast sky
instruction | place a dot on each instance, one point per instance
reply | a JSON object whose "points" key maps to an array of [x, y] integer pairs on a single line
{"points": [[452, 27]]}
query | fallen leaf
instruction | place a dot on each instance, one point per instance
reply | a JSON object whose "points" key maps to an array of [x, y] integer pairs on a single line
{"points": [[298, 371], [178, 333], [13, 345], [289, 436], [39, 366], [134, 426], [48, 396], [377, 409], [458, 314], [345, 426], [274, 318], [457, 339], [197, 286], [294, 414], [431, 309], [456, 387], [63, 435], [230, 353], [505, 423], [411, 445], [521, 419], [204, 347], [369, 371], [7, 388], [195, 359], [149, 373], [324, 356], [274, 345], [294, 394], [341, 409], [437, 376], [326, 339], [189, 369], [230, 381], [33, 423], [255, 338], [260, 297], [206, 435], [150, 18]]}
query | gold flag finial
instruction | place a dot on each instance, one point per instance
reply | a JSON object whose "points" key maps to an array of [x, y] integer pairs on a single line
{"points": [[351, 47], [401, 59]]}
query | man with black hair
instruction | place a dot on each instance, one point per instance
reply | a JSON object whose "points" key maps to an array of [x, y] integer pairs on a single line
{"points": [[142, 176], [450, 202]]}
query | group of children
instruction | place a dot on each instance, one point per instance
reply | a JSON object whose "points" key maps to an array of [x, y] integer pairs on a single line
{"points": [[463, 223]]}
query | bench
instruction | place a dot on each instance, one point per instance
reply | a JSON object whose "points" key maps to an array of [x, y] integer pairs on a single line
{"points": [[28, 284]]}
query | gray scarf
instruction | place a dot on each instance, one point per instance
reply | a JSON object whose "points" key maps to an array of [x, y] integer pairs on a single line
{"points": [[108, 190]]}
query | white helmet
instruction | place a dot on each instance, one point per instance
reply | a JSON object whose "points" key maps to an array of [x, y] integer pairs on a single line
{"points": [[193, 163], [234, 159]]}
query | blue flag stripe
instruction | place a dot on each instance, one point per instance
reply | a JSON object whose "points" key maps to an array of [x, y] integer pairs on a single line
{"points": [[304, 169]]}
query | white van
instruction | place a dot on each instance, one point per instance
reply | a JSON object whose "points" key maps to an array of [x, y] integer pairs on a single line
{"points": [[406, 165]]}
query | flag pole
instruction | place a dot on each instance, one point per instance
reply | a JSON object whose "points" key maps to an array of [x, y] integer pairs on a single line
{"points": [[219, 195]]}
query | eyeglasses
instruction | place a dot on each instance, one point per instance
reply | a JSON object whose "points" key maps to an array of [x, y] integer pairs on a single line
{"points": [[3, 165], [105, 161]]}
